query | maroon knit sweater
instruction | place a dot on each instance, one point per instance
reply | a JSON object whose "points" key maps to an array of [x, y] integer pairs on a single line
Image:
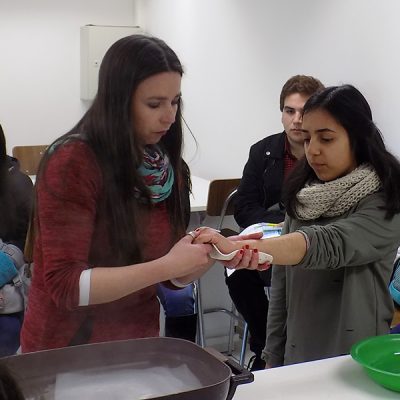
{"points": [[72, 235]]}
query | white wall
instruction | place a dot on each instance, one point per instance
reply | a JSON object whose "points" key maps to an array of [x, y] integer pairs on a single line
{"points": [[39, 68], [238, 53]]}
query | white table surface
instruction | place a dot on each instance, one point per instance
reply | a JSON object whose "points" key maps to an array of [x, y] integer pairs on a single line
{"points": [[339, 378], [199, 196]]}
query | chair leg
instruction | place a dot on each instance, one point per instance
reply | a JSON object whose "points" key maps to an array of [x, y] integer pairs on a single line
{"points": [[233, 318], [200, 340], [244, 344], [231, 334]]}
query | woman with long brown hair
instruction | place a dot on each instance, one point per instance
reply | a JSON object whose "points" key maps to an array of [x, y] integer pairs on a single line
{"points": [[111, 207]]}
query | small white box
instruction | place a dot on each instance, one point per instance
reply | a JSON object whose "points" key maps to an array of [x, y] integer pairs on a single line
{"points": [[95, 41]]}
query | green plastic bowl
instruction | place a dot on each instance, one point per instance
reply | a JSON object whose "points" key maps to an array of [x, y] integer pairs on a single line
{"points": [[380, 357]]}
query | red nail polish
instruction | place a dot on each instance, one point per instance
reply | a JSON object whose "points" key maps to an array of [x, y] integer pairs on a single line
{"points": [[255, 251], [247, 247], [241, 252]]}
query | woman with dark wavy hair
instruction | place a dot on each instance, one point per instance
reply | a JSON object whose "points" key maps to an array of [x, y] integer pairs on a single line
{"points": [[111, 207], [333, 262]]}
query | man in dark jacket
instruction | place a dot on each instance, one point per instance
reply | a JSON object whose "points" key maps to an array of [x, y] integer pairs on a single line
{"points": [[259, 200]]}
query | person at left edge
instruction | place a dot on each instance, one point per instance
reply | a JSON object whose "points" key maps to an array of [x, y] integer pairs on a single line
{"points": [[110, 208], [15, 208]]}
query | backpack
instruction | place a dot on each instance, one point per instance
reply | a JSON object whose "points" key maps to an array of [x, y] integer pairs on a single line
{"points": [[394, 286], [14, 279]]}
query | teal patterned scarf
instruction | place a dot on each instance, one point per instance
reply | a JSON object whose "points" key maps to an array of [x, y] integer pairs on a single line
{"points": [[157, 173]]}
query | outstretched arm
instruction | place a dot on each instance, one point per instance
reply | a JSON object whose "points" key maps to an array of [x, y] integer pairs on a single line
{"points": [[288, 249]]}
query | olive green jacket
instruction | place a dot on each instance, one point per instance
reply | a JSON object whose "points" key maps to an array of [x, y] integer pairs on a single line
{"points": [[338, 294]]}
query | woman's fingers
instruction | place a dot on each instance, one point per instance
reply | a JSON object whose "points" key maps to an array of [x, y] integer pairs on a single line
{"points": [[250, 236], [254, 262], [223, 244], [204, 238], [264, 267], [247, 259], [193, 235], [234, 263]]}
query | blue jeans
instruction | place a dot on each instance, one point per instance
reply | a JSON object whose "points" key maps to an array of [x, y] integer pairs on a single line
{"points": [[177, 303], [10, 327]]}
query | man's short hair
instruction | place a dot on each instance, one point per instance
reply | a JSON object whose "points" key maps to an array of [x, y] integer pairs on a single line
{"points": [[303, 84]]}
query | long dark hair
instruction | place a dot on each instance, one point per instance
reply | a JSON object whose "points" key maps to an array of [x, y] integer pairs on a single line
{"points": [[108, 129], [351, 110], [9, 222], [3, 163]]}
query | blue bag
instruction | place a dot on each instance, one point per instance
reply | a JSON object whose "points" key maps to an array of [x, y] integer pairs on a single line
{"points": [[394, 287], [13, 285], [7, 269]]}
